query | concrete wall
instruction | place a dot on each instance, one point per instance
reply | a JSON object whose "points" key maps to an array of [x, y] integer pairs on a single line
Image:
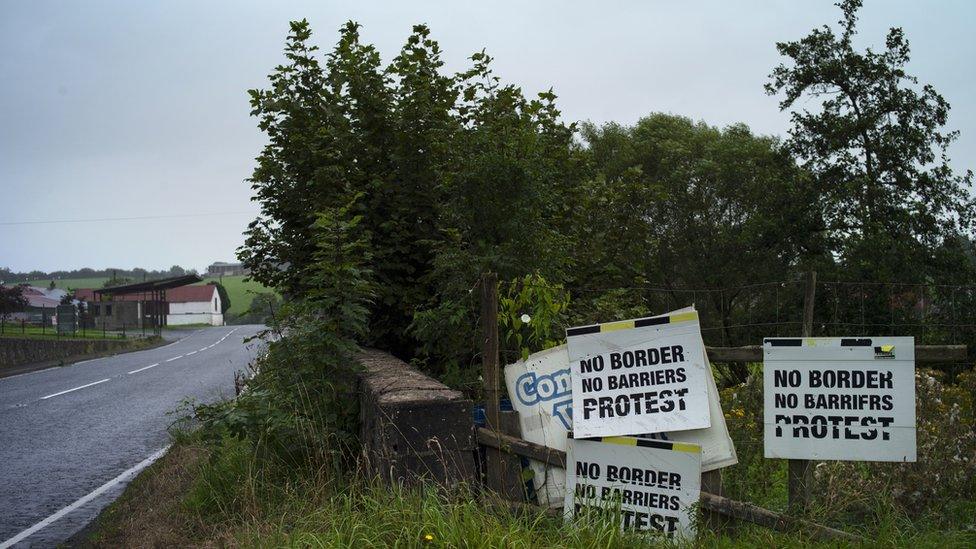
{"points": [[16, 351], [196, 306], [195, 318], [414, 427], [127, 313]]}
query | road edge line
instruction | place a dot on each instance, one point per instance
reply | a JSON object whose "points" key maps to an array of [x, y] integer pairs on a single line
{"points": [[132, 471]]}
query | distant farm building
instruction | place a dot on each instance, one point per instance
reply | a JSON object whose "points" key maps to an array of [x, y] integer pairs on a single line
{"points": [[41, 305], [175, 306], [221, 268]]}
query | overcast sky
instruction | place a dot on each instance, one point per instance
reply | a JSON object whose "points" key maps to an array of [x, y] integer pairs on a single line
{"points": [[132, 109]]}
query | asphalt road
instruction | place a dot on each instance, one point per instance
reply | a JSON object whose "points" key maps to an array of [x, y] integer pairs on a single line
{"points": [[67, 432]]}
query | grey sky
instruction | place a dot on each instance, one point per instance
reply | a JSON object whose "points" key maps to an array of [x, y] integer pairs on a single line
{"points": [[127, 109]]}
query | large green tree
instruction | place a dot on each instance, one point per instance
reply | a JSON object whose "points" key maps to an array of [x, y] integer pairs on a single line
{"points": [[876, 142], [301, 170], [675, 204], [502, 203], [451, 175]]}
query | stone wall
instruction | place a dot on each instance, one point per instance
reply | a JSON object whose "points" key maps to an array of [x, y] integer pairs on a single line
{"points": [[414, 427], [15, 351]]}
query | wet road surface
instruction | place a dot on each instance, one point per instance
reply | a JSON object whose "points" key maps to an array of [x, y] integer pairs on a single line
{"points": [[65, 433]]}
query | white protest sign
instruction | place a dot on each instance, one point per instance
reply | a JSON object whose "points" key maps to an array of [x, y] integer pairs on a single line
{"points": [[638, 376], [653, 483], [541, 393], [839, 398]]}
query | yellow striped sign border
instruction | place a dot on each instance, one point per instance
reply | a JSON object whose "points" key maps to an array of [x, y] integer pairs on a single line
{"points": [[630, 324], [645, 443]]}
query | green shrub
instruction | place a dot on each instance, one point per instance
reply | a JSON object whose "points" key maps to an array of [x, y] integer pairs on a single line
{"points": [[938, 489], [301, 405]]}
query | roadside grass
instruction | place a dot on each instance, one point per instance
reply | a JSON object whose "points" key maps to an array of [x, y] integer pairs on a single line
{"points": [[240, 291], [224, 493]]}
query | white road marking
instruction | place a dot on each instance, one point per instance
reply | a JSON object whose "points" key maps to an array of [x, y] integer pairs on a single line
{"points": [[75, 389], [191, 353], [84, 499], [204, 349], [174, 358], [144, 368]]}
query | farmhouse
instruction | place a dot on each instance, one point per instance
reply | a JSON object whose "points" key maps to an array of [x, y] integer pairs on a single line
{"points": [[41, 304], [221, 268], [194, 305], [179, 306]]}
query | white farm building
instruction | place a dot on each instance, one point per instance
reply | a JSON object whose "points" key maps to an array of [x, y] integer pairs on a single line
{"points": [[194, 305], [183, 305]]}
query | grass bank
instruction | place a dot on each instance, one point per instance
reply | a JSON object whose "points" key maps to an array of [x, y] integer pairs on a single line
{"points": [[221, 493], [240, 291]]}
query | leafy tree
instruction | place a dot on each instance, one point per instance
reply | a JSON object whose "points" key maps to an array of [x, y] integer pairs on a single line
{"points": [[116, 281], [892, 207], [676, 204], [300, 171], [264, 308], [12, 300], [502, 204]]}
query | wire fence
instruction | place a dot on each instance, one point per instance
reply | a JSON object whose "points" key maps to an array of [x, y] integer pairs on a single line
{"points": [[741, 315], [746, 314], [84, 328]]}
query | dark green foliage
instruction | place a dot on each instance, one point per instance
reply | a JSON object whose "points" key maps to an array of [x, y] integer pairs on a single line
{"points": [[138, 274], [302, 406], [12, 300], [456, 175], [676, 205], [503, 206], [531, 316], [264, 308], [116, 281], [891, 207], [459, 175]]}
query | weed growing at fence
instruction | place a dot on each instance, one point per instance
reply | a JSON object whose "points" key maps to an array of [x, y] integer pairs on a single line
{"points": [[937, 493]]}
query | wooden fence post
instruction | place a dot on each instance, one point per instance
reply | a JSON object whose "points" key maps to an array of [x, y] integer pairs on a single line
{"points": [[800, 475], [489, 346], [496, 464]]}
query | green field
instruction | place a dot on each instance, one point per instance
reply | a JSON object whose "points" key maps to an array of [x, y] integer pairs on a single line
{"points": [[67, 283], [240, 292]]}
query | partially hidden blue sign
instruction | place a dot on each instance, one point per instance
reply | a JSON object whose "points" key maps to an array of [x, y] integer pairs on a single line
{"points": [[551, 391]]}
